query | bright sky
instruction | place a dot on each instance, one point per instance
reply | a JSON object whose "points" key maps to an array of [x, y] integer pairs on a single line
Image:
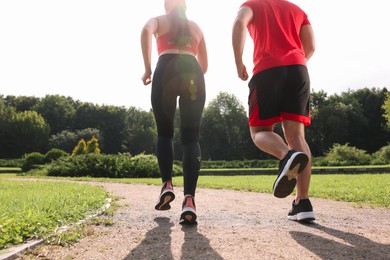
{"points": [[90, 49]]}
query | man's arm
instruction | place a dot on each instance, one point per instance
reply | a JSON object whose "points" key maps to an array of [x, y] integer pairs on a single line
{"points": [[308, 41], [244, 16]]}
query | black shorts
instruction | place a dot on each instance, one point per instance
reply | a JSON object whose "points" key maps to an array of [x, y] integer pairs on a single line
{"points": [[280, 93]]}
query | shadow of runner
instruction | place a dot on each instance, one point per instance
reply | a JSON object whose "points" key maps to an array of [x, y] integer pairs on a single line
{"points": [[197, 246], [353, 246], [156, 244]]}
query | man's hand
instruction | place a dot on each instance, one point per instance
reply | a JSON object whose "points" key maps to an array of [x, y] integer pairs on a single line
{"points": [[242, 73]]}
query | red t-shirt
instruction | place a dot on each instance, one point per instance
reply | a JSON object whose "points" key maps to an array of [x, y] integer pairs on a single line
{"points": [[275, 30]]}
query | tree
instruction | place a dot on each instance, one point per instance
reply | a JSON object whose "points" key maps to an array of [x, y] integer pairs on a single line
{"points": [[386, 108], [24, 132], [22, 103], [141, 132], [224, 130], [58, 112], [66, 140]]}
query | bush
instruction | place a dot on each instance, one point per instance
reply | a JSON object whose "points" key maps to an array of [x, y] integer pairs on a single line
{"points": [[11, 162], [345, 155], [80, 148], [93, 146], [382, 156], [32, 160], [237, 164], [54, 154], [109, 166]]}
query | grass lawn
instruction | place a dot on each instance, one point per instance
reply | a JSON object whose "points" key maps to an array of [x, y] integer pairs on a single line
{"points": [[33, 209], [362, 189]]}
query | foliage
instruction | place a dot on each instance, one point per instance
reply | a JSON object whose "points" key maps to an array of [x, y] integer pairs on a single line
{"points": [[22, 132], [93, 146], [224, 130], [354, 117], [34, 209], [80, 148], [237, 164], [58, 111], [54, 154], [66, 140], [32, 160], [382, 156], [111, 166], [386, 108], [11, 162], [344, 155]]}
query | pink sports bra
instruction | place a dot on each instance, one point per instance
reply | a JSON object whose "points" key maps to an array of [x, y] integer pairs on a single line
{"points": [[163, 44]]}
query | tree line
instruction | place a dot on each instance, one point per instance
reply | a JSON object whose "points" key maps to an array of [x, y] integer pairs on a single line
{"points": [[29, 124]]}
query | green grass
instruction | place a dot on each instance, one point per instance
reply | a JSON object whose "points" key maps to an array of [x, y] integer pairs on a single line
{"points": [[33, 209], [362, 189]]}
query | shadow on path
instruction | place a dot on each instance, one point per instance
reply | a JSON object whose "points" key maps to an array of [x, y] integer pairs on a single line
{"points": [[197, 246], [343, 244], [157, 244]]}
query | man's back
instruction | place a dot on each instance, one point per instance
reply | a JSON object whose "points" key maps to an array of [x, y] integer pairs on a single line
{"points": [[275, 29]]}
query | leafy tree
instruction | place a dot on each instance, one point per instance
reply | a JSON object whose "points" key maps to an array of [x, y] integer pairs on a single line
{"points": [[58, 111], [386, 108], [87, 115], [367, 128], [224, 130], [113, 126], [22, 103], [66, 140], [141, 133], [23, 132]]}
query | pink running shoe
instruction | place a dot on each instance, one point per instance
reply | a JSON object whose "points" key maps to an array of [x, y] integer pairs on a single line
{"points": [[188, 214], [166, 196]]}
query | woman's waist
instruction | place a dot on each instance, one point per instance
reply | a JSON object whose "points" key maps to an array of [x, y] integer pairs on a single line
{"points": [[177, 51]]}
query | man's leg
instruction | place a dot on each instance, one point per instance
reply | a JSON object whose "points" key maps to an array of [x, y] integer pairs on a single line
{"points": [[266, 140], [295, 137]]}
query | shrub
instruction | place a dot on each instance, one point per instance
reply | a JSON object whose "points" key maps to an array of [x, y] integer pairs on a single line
{"points": [[110, 166], [344, 155], [93, 146], [382, 156], [32, 160], [54, 154], [80, 148]]}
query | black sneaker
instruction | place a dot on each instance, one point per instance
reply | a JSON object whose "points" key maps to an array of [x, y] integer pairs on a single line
{"points": [[166, 196], [293, 164], [303, 212]]}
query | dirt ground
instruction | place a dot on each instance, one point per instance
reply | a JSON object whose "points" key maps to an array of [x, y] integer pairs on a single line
{"points": [[231, 225]]}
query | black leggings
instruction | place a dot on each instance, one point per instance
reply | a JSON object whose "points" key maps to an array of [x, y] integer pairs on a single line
{"points": [[178, 75]]}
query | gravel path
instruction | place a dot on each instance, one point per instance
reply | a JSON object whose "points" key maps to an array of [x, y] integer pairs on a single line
{"points": [[231, 225]]}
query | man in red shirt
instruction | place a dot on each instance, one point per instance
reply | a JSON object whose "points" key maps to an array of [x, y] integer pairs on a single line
{"points": [[279, 91]]}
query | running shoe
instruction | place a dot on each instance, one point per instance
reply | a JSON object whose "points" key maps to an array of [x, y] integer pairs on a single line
{"points": [[293, 164], [166, 196], [303, 212], [188, 214]]}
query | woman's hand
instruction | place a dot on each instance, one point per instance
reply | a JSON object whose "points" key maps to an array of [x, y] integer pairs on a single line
{"points": [[147, 78]]}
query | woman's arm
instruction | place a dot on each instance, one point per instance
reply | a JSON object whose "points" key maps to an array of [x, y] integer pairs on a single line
{"points": [[146, 45]]}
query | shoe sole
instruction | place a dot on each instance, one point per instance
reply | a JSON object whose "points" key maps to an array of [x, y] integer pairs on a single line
{"points": [[188, 216], [303, 217], [286, 181], [164, 200]]}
